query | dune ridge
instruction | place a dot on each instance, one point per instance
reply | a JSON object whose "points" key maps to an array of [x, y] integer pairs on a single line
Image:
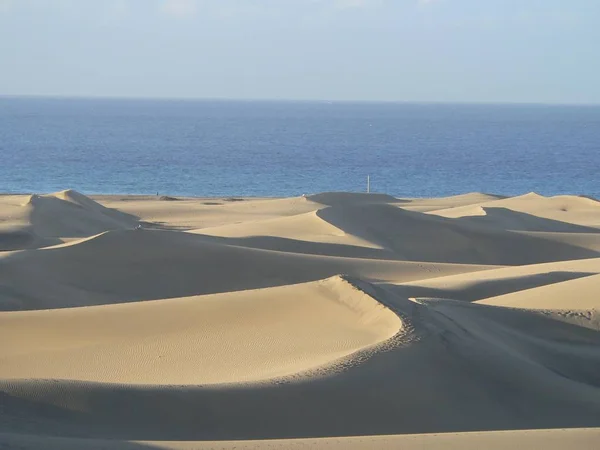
{"points": [[333, 320]]}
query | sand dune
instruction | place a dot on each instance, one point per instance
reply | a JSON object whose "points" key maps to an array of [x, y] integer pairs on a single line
{"points": [[494, 282], [491, 364], [333, 320], [352, 199], [409, 235], [455, 201], [422, 237], [306, 227], [590, 241], [181, 341], [580, 294], [575, 210], [42, 220], [193, 213], [134, 265], [70, 214]]}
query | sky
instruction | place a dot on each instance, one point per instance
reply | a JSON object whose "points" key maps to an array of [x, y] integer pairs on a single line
{"points": [[532, 51]]}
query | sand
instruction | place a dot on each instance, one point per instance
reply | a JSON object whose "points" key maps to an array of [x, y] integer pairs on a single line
{"points": [[334, 320]]}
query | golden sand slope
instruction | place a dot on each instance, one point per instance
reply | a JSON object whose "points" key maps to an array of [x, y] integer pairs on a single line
{"points": [[222, 338], [473, 286], [568, 211], [580, 294], [583, 439], [482, 367], [227, 322]]}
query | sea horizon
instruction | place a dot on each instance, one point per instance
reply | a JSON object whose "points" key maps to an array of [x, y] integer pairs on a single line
{"points": [[296, 100], [278, 148]]}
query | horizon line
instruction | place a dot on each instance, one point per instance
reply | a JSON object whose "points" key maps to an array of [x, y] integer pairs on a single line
{"points": [[293, 100]]}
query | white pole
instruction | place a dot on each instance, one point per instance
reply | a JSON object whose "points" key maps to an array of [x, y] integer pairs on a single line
{"points": [[368, 184]]}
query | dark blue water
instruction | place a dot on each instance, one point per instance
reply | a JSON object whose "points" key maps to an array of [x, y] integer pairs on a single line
{"points": [[218, 148]]}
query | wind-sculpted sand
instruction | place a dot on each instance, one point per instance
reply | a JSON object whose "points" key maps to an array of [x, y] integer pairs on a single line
{"points": [[334, 320]]}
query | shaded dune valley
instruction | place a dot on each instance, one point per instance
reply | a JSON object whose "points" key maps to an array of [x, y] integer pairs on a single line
{"points": [[335, 320]]}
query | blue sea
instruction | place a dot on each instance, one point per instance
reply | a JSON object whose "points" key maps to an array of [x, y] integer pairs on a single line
{"points": [[252, 148]]}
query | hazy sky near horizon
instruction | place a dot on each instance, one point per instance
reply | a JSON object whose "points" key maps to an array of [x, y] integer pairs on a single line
{"points": [[392, 50]]}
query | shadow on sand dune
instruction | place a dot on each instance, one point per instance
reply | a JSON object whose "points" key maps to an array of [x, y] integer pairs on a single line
{"points": [[353, 199], [480, 289], [466, 367], [417, 236], [507, 219], [123, 266], [71, 214], [287, 245]]}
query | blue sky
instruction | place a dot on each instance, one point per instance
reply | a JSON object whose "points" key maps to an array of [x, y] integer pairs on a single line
{"points": [[544, 51]]}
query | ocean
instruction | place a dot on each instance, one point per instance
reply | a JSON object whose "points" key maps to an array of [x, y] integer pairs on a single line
{"points": [[254, 148]]}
